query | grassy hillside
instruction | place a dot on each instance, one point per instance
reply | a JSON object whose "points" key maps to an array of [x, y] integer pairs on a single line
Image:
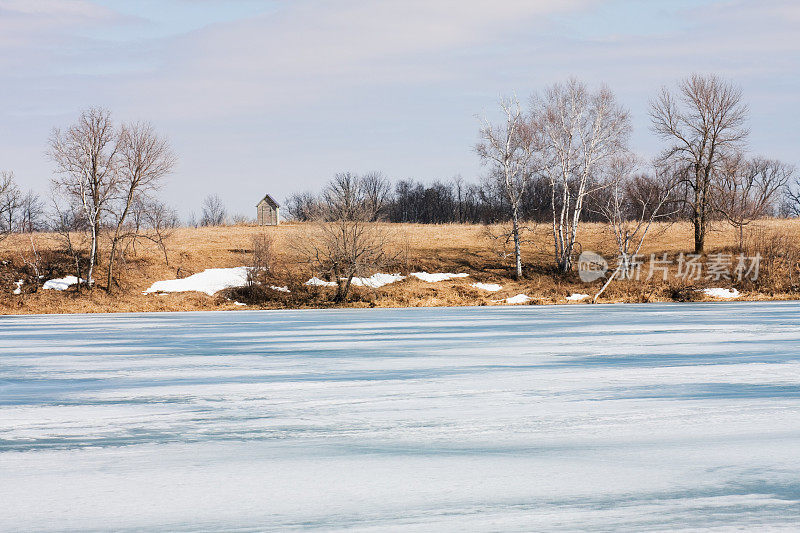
{"points": [[432, 248]]}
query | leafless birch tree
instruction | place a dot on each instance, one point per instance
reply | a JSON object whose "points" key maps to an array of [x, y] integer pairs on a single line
{"points": [[102, 172], [704, 124], [578, 132], [86, 170], [508, 149]]}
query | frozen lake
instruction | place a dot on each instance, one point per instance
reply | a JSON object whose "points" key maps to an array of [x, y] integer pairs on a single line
{"points": [[645, 417]]}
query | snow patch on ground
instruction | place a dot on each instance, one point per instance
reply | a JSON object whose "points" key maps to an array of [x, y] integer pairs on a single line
{"points": [[718, 292], [209, 281], [440, 276], [577, 297], [61, 284], [518, 299], [239, 303], [316, 282], [374, 281], [491, 287], [280, 289], [19, 284], [377, 280]]}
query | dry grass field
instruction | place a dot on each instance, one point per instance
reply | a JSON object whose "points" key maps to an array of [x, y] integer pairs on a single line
{"points": [[432, 248]]}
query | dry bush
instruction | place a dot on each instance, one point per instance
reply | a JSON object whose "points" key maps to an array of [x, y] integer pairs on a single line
{"points": [[262, 259], [500, 241], [343, 249], [779, 269], [260, 274]]}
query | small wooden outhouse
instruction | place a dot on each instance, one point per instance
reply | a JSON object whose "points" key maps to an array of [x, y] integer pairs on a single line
{"points": [[268, 212]]}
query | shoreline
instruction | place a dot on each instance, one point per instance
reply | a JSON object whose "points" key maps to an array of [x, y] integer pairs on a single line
{"points": [[432, 249], [387, 307]]}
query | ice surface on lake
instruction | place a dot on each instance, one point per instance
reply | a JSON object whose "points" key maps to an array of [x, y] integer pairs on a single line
{"points": [[610, 417]]}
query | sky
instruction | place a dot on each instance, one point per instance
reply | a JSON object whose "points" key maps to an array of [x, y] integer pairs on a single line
{"points": [[277, 96]]}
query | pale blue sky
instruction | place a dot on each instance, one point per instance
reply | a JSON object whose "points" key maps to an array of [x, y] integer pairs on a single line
{"points": [[276, 96]]}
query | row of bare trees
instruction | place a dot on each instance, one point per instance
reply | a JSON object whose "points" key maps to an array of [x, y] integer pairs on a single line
{"points": [[576, 140], [565, 157], [570, 136], [448, 201], [19, 212]]}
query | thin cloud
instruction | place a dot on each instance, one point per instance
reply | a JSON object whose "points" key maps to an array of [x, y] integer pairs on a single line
{"points": [[366, 84], [306, 49]]}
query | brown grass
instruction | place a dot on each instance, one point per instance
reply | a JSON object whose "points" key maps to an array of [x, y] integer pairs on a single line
{"points": [[433, 248]]}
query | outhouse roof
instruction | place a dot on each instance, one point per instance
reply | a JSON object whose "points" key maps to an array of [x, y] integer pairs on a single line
{"points": [[270, 200]]}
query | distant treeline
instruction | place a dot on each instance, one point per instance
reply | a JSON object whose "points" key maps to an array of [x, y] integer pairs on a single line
{"points": [[456, 201], [440, 202]]}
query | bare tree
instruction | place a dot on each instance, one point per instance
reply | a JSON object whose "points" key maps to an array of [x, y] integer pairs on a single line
{"points": [[144, 159], [344, 197], [301, 206], [240, 219], [33, 260], [747, 189], [376, 190], [459, 193], [86, 168], [635, 201], [578, 133], [152, 221], [704, 124], [69, 223], [262, 260], [508, 149], [9, 203], [31, 213], [213, 212], [791, 199], [348, 242]]}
